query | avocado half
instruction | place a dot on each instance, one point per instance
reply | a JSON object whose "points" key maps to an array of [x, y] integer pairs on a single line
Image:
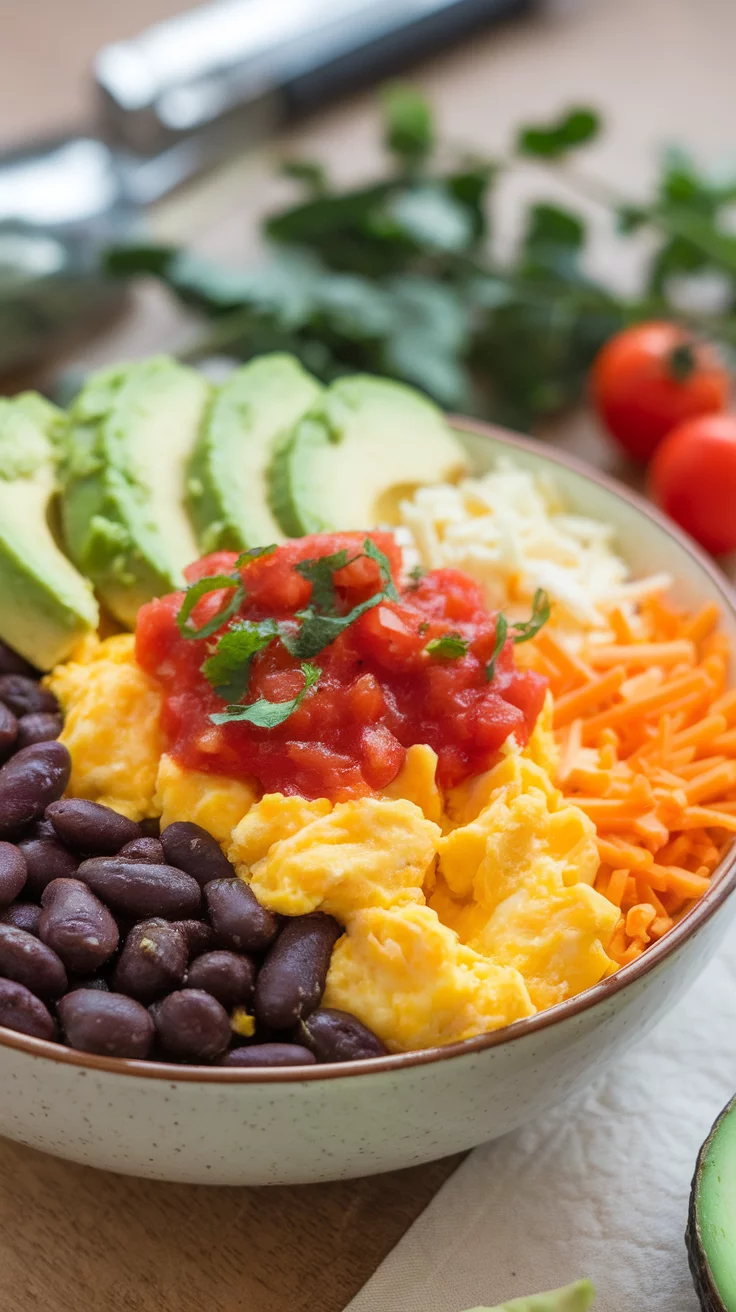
{"points": [[711, 1227]]}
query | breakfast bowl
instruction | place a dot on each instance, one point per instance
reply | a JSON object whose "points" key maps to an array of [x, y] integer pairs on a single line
{"points": [[219, 1125]]}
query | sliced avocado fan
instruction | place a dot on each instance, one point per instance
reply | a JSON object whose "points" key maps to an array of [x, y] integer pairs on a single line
{"points": [[45, 605], [348, 463], [258, 405], [711, 1226], [573, 1298], [130, 436]]}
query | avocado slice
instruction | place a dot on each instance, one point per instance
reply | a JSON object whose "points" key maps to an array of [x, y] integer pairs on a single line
{"points": [[348, 463], [711, 1227], [130, 435], [45, 605], [250, 413], [573, 1298]]}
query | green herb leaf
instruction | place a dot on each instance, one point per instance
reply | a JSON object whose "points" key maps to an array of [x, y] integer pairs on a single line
{"points": [[227, 670], [502, 630], [319, 625], [320, 571], [200, 589], [431, 218], [522, 631], [254, 553], [448, 647], [575, 128], [265, 714], [416, 574], [408, 126], [374, 553], [308, 171]]}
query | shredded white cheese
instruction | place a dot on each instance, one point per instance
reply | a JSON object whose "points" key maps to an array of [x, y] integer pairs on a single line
{"points": [[510, 531]]}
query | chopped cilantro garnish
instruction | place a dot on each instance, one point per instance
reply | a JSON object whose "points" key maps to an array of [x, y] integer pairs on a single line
{"points": [[254, 553], [228, 668], [520, 632], [374, 553], [416, 574], [320, 572], [268, 715], [448, 647], [319, 625], [199, 590]]}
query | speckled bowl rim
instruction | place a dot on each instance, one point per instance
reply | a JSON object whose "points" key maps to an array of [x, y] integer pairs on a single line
{"points": [[722, 885]]}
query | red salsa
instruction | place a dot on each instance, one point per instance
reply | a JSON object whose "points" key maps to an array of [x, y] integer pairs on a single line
{"points": [[380, 689]]}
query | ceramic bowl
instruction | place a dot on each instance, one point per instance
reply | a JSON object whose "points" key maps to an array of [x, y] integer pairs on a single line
{"points": [[217, 1126]]}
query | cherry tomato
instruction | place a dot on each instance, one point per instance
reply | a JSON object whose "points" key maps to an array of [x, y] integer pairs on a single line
{"points": [[693, 478], [649, 378]]}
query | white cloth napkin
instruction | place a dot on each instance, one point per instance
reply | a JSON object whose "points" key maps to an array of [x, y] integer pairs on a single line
{"points": [[599, 1187]]}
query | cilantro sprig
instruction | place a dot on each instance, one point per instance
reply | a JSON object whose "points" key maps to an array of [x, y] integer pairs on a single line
{"points": [[228, 668], [212, 583], [265, 714], [522, 631], [448, 647], [319, 624]]}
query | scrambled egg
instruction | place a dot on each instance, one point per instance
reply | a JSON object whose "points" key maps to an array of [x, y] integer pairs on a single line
{"points": [[407, 976], [210, 800], [462, 913], [112, 712], [367, 853]]}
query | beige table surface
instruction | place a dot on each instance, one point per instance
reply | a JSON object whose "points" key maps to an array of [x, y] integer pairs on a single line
{"points": [[73, 1240]]}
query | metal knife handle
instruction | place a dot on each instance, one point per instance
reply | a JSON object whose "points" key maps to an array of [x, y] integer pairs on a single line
{"points": [[230, 70]]}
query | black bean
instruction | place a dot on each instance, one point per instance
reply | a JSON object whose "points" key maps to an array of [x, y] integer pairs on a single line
{"points": [[153, 961], [199, 936], [191, 848], [29, 782], [21, 1010], [108, 1024], [28, 961], [39, 727], [90, 827], [237, 917], [13, 873], [228, 976], [141, 890], [149, 850], [25, 696], [191, 1025], [77, 926], [96, 984], [269, 1055], [334, 1035], [24, 915], [46, 859], [292, 979], [8, 731], [12, 663]]}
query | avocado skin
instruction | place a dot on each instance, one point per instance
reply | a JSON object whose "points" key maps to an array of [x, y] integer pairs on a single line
{"points": [[45, 605], [113, 529], [227, 479], [705, 1286]]}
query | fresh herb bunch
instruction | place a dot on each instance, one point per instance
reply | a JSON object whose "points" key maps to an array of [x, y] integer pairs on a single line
{"points": [[398, 277]]}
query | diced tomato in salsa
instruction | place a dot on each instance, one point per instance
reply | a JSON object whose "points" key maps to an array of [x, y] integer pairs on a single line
{"points": [[380, 690]]}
